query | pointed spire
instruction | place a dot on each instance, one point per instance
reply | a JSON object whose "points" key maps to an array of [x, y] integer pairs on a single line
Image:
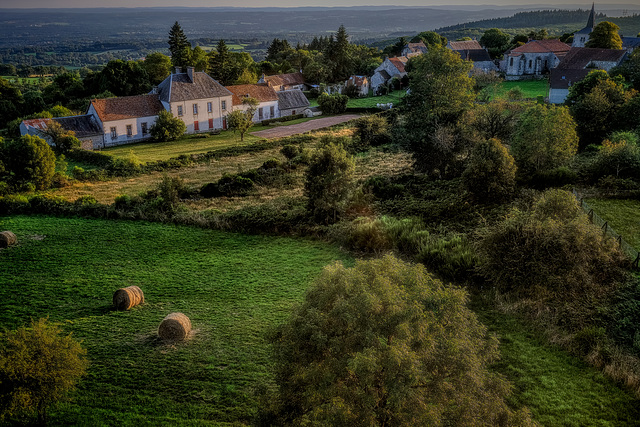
{"points": [[592, 17]]}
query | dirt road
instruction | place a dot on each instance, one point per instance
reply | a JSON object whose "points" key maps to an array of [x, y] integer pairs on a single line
{"points": [[282, 131]]}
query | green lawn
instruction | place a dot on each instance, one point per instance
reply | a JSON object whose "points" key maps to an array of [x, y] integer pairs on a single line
{"points": [[152, 151], [530, 88], [233, 287], [623, 216], [370, 102], [560, 390]]}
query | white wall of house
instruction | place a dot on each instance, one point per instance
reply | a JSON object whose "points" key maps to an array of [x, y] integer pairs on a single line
{"points": [[126, 131], [558, 96], [530, 64], [208, 113], [269, 109]]}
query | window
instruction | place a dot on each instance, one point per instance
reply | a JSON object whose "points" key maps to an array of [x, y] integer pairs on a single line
{"points": [[195, 109], [260, 114], [114, 133], [210, 123], [129, 130], [293, 113], [196, 125], [511, 62], [529, 63], [179, 110], [224, 105], [209, 107], [143, 128], [272, 113]]}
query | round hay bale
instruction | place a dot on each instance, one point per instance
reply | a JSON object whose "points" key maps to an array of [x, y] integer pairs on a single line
{"points": [[125, 298], [174, 327], [7, 238]]}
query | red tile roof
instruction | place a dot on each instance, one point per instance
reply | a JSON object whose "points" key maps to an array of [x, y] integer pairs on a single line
{"points": [[542, 46], [261, 92], [399, 62], [465, 45], [357, 80], [290, 79], [127, 107]]}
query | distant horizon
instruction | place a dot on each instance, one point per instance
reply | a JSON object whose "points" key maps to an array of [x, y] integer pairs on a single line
{"points": [[262, 4]]}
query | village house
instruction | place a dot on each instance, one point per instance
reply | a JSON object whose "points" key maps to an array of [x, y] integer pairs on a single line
{"points": [[267, 98], [84, 127], [292, 102], [280, 82], [575, 66], [471, 50], [534, 59], [126, 119], [390, 68], [360, 82], [197, 99], [414, 48]]}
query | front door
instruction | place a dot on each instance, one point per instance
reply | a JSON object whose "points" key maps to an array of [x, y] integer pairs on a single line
{"points": [[224, 123]]}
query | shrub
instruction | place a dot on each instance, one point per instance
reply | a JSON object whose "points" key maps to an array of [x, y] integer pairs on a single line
{"points": [[38, 366], [167, 127], [376, 344], [130, 165], [29, 159], [371, 131], [490, 174], [364, 235], [333, 104]]}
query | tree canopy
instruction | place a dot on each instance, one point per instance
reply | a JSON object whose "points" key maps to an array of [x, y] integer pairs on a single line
{"points": [[385, 343], [605, 36]]}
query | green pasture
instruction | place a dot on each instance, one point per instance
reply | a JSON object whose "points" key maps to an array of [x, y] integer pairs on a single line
{"points": [[623, 216], [233, 287], [530, 88], [558, 389], [370, 102], [152, 151]]}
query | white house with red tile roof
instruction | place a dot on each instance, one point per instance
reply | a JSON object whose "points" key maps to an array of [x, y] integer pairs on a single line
{"points": [[197, 99], [535, 58], [125, 119], [267, 98], [390, 68]]}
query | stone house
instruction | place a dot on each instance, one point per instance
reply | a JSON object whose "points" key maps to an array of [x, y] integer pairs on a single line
{"points": [[414, 48], [84, 127], [280, 82], [575, 66], [126, 119], [266, 96], [390, 68], [534, 59], [361, 82], [292, 102], [471, 50], [197, 99]]}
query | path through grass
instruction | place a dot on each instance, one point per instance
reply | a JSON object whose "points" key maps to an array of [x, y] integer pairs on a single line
{"points": [[233, 287]]}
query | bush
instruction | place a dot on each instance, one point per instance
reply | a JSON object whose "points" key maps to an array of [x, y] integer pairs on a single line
{"points": [[364, 235], [128, 166], [167, 127], [490, 175], [371, 131], [29, 159], [333, 104], [38, 366]]}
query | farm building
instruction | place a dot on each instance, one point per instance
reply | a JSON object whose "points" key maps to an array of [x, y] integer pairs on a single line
{"points": [[84, 127], [291, 102], [264, 94], [471, 50], [390, 68], [280, 82]]}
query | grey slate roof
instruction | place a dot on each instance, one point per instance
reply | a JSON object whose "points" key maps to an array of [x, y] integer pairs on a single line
{"points": [[83, 126], [630, 42], [384, 74], [179, 87], [565, 78], [581, 57], [289, 99], [475, 55]]}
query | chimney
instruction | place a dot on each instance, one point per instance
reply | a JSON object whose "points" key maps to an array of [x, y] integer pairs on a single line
{"points": [[178, 70], [190, 73]]}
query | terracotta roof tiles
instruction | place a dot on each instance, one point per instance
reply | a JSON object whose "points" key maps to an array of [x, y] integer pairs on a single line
{"points": [[127, 107], [542, 46], [261, 92]]}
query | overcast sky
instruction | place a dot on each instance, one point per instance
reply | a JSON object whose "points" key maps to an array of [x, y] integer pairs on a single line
{"points": [[285, 3]]}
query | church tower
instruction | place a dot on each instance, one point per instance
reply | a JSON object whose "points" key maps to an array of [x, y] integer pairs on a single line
{"points": [[580, 38]]}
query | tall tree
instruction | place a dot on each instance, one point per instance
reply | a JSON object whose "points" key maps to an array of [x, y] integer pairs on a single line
{"points": [[605, 36], [179, 46], [158, 67], [338, 54], [219, 64], [496, 41], [124, 78], [430, 38], [386, 344]]}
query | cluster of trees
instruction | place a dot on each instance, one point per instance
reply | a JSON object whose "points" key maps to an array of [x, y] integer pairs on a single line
{"points": [[26, 164]]}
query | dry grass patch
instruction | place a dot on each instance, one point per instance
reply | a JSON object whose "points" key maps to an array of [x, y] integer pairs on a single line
{"points": [[377, 163]]}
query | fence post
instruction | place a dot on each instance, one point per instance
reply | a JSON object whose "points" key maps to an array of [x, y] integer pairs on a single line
{"points": [[590, 214], [605, 226], [636, 262]]}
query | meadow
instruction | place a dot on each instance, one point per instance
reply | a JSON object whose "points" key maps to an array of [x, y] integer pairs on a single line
{"points": [[622, 216], [531, 89], [233, 287]]}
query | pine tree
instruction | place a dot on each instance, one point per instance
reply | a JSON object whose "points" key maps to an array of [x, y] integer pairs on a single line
{"points": [[179, 46], [219, 64]]}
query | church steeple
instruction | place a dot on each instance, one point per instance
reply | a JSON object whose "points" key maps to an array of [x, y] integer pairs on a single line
{"points": [[592, 17]]}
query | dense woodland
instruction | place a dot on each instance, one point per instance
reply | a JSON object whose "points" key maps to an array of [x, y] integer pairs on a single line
{"points": [[457, 206]]}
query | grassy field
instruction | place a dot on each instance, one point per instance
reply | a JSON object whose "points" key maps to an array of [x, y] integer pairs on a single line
{"points": [[530, 88], [560, 390], [370, 102], [152, 151], [623, 216], [233, 287]]}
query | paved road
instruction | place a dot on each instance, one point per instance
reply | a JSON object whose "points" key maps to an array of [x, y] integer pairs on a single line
{"points": [[282, 131]]}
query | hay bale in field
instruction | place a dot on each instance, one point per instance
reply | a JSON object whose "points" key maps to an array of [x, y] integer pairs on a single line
{"points": [[7, 238], [125, 298], [174, 327]]}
